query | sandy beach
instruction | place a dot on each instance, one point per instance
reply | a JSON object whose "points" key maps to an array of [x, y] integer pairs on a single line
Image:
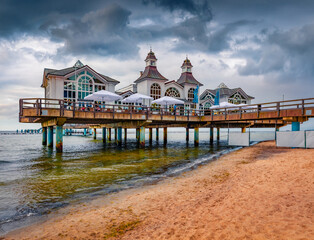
{"points": [[259, 192]]}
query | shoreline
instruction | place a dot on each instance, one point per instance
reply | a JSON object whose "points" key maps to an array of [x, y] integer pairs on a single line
{"points": [[215, 201]]}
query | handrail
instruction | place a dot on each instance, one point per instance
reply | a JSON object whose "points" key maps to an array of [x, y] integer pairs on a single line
{"points": [[41, 104]]}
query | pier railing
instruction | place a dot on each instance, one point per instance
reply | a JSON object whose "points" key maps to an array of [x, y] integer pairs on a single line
{"points": [[42, 104]]}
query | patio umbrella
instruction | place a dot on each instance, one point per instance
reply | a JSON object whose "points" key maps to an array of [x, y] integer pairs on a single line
{"points": [[167, 101], [136, 98], [223, 105], [104, 96]]}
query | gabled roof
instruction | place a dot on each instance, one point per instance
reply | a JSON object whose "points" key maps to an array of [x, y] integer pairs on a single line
{"points": [[61, 72], [205, 93], [150, 73], [125, 93], [207, 100], [174, 82], [64, 72], [187, 77], [229, 92]]}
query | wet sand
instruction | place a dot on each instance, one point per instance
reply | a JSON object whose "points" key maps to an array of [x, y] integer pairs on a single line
{"points": [[259, 192]]}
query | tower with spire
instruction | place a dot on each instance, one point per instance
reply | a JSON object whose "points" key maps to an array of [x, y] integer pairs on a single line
{"points": [[150, 73]]}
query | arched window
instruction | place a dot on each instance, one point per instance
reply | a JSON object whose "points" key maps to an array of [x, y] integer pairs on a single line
{"points": [[155, 91], [207, 106], [236, 99], [172, 92], [85, 85], [191, 94]]}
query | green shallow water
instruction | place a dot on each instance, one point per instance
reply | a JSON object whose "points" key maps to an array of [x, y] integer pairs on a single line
{"points": [[35, 179]]}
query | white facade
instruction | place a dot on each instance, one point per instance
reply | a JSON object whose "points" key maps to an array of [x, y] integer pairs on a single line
{"points": [[75, 83], [152, 83]]}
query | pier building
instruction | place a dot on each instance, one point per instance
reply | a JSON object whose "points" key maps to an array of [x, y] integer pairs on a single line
{"points": [[152, 83], [76, 82], [64, 103], [225, 94], [187, 88]]}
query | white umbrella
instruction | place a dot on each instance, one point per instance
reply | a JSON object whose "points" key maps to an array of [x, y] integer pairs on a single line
{"points": [[223, 105], [104, 96], [136, 98], [167, 101]]}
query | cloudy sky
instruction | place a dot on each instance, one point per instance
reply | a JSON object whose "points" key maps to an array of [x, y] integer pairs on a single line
{"points": [[265, 47]]}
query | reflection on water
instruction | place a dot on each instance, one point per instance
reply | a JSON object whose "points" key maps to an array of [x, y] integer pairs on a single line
{"points": [[34, 179]]}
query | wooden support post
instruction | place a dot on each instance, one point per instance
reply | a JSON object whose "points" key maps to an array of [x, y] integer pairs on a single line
{"points": [[104, 134], [50, 137], [115, 134], [142, 136], [196, 136], [137, 134], [211, 136], [218, 134], [243, 130], [119, 136], [95, 133], [187, 134], [125, 135], [85, 132], [157, 134], [165, 135], [109, 134], [44, 136], [59, 139], [295, 126], [150, 135]]}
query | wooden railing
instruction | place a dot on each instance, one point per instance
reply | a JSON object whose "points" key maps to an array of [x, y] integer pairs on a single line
{"points": [[41, 104]]}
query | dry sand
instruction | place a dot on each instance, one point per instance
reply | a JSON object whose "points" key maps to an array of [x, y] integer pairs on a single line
{"points": [[259, 192]]}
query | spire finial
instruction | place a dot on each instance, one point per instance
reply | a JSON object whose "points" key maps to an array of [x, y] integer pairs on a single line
{"points": [[150, 46], [186, 57]]}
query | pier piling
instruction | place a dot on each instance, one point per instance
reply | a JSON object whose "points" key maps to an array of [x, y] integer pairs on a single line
{"points": [[50, 136], [125, 135], [218, 134], [103, 134], [137, 134], [95, 133], [142, 136], [157, 134], [211, 137], [109, 134], [150, 135], [165, 135], [295, 126], [59, 139], [44, 136], [115, 134], [187, 134], [196, 136], [119, 135], [243, 130]]}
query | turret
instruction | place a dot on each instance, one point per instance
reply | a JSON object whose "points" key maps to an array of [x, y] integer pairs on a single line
{"points": [[151, 59], [186, 66]]}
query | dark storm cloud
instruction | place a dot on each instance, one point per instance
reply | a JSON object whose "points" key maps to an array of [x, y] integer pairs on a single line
{"points": [[102, 32], [288, 53], [32, 16], [200, 8]]}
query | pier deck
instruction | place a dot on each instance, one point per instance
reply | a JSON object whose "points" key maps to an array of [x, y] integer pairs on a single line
{"points": [[57, 112]]}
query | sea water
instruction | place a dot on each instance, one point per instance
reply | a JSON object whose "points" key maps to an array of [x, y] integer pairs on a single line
{"points": [[35, 179]]}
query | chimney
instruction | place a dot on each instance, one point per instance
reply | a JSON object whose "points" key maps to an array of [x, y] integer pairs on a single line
{"points": [[141, 73]]}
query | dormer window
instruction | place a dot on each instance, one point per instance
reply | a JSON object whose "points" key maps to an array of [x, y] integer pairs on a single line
{"points": [[189, 69], [152, 63]]}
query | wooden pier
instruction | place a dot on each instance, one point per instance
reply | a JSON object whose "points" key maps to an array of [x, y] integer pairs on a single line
{"points": [[54, 113]]}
